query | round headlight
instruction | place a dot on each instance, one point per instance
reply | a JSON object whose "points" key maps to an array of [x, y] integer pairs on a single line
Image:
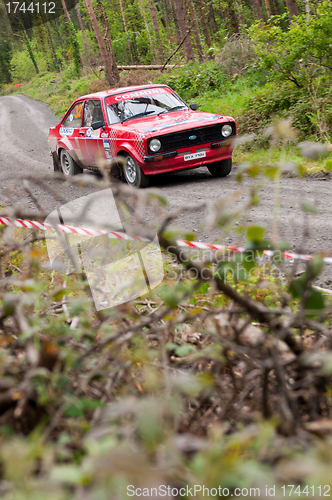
{"points": [[226, 130], [155, 145]]}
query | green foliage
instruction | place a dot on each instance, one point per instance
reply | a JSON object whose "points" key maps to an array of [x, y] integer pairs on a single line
{"points": [[300, 53], [75, 49], [310, 109], [196, 79], [5, 58], [29, 48], [22, 68], [59, 90], [298, 61]]}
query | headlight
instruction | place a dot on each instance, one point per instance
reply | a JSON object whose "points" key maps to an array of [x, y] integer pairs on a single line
{"points": [[226, 130], [155, 145]]}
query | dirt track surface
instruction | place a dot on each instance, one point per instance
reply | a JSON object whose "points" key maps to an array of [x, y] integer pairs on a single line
{"points": [[24, 149]]}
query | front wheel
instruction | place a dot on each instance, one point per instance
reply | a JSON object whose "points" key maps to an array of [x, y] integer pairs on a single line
{"points": [[134, 175], [68, 165], [220, 168]]}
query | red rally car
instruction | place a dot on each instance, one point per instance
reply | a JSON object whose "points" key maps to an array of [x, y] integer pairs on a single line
{"points": [[147, 130]]}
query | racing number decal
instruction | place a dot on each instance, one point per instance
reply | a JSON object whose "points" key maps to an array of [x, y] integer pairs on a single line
{"points": [[78, 111]]}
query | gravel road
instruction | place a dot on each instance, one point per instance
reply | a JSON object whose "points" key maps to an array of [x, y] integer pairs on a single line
{"points": [[24, 127]]}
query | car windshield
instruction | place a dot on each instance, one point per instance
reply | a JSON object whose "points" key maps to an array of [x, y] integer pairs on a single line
{"points": [[133, 105]]}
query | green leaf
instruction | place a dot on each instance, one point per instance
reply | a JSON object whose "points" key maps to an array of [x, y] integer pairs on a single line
{"points": [[74, 411], [171, 298], [308, 207], [315, 265], [255, 233], [58, 293], [9, 304], [156, 196], [297, 286], [253, 170], [189, 236], [271, 172], [68, 473], [315, 301], [184, 350], [249, 265]]}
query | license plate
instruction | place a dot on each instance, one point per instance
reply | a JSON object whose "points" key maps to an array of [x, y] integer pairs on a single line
{"points": [[194, 156]]}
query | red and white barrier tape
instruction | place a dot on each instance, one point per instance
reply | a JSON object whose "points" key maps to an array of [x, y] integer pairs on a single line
{"points": [[6, 221], [31, 224]]}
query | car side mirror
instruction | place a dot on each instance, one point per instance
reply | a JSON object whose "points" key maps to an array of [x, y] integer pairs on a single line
{"points": [[193, 106], [99, 124]]}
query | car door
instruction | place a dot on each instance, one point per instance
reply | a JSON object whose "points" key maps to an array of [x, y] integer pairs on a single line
{"points": [[70, 132], [93, 138]]}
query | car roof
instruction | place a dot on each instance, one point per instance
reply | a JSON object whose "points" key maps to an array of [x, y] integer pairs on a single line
{"points": [[120, 90]]}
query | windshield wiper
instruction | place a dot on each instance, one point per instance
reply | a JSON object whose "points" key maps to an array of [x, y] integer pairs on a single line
{"points": [[171, 109], [144, 113]]}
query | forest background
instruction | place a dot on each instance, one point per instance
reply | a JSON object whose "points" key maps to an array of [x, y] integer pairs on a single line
{"points": [[254, 60]]}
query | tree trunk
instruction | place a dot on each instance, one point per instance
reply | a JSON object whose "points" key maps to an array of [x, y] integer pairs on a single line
{"points": [[292, 7], [256, 4], [54, 56], [182, 19], [155, 26], [154, 17], [212, 19], [268, 8], [74, 43], [203, 23], [79, 17], [275, 7], [65, 10], [147, 29], [195, 30], [231, 10], [222, 12], [108, 42], [126, 31], [96, 29], [39, 34], [30, 51], [178, 32]]}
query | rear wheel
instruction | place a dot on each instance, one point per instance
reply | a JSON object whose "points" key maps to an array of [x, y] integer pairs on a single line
{"points": [[68, 165], [133, 174], [220, 168]]}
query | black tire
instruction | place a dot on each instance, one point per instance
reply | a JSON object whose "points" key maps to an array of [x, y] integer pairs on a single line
{"points": [[220, 168], [133, 174], [68, 166]]}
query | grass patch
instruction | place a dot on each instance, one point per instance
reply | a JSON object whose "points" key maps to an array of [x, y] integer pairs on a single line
{"points": [[231, 102], [58, 90], [262, 156]]}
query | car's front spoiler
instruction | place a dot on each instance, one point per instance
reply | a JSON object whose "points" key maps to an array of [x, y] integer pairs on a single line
{"points": [[161, 156]]}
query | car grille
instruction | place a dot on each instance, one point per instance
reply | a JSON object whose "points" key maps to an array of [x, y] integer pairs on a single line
{"points": [[179, 140]]}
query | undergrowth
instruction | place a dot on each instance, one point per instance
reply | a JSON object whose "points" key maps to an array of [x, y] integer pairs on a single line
{"points": [[219, 377]]}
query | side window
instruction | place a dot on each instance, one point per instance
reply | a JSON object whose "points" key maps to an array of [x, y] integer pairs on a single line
{"points": [[74, 118], [92, 113]]}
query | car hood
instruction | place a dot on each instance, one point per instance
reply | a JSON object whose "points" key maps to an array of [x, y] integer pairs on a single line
{"points": [[174, 122]]}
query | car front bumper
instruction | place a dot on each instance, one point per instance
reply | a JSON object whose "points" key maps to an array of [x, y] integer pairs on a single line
{"points": [[187, 157]]}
